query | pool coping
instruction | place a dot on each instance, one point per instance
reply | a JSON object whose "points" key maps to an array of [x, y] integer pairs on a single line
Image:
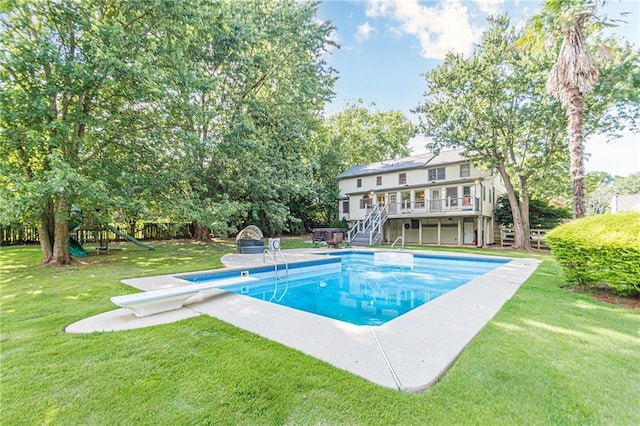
{"points": [[409, 353]]}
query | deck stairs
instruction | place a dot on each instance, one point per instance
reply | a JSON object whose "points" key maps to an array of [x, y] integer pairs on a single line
{"points": [[368, 232]]}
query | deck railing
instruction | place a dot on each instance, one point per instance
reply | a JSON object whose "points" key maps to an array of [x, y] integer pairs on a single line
{"points": [[436, 206]]}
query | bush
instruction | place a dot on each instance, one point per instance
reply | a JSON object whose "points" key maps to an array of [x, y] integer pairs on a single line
{"points": [[342, 223], [541, 214], [600, 249]]}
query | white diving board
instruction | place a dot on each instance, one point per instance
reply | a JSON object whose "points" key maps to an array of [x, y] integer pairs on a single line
{"points": [[155, 301]]}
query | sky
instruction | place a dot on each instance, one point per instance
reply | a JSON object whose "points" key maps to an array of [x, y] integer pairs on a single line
{"points": [[386, 46]]}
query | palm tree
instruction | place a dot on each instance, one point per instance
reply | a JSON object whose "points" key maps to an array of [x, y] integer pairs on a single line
{"points": [[573, 75]]}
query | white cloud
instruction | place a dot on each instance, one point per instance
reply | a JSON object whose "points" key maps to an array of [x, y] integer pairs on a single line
{"points": [[490, 7], [364, 31], [439, 29], [395, 31]]}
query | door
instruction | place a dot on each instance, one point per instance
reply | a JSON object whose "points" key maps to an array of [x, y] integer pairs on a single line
{"points": [[393, 203], [467, 229], [436, 200]]}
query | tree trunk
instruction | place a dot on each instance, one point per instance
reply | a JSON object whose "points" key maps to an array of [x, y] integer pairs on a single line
{"points": [[61, 233], [575, 117], [521, 238], [132, 228], [46, 232], [524, 210], [201, 233]]}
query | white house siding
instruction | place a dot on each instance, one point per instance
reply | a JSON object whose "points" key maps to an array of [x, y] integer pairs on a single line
{"points": [[464, 220]]}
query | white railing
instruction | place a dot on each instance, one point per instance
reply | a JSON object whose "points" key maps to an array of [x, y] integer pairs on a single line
{"points": [[275, 263], [448, 204], [372, 223], [398, 239], [378, 217]]}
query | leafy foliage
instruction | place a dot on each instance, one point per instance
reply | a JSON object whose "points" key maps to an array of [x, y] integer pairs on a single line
{"points": [[595, 79], [495, 106], [188, 111], [357, 135], [541, 214], [628, 185], [600, 249]]}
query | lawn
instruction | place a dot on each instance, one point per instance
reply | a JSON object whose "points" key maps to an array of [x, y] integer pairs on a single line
{"points": [[548, 357]]}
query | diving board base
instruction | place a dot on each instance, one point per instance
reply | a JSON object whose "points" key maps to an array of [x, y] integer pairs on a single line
{"points": [[156, 301]]}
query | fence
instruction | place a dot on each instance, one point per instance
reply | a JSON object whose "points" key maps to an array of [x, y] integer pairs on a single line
{"points": [[22, 234], [507, 237]]}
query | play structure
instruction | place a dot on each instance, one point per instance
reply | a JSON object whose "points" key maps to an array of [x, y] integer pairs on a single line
{"points": [[100, 235], [75, 220]]}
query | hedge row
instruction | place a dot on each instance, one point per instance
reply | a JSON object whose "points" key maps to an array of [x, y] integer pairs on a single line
{"points": [[600, 249]]}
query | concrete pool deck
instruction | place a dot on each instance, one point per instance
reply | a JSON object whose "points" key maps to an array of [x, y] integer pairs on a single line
{"points": [[409, 353]]}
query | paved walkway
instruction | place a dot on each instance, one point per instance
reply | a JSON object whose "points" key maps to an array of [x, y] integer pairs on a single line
{"points": [[409, 353]]}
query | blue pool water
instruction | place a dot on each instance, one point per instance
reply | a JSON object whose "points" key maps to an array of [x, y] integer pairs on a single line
{"points": [[361, 288]]}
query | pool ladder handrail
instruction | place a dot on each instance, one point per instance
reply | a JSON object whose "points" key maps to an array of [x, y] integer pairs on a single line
{"points": [[394, 243], [275, 264]]}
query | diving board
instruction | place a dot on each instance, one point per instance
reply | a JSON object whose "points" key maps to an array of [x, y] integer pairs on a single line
{"points": [[166, 299]]}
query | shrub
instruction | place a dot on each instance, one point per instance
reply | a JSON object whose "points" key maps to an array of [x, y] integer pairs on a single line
{"points": [[541, 214], [600, 249]]}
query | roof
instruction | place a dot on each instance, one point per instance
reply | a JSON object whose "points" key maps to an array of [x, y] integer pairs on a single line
{"points": [[413, 162]]}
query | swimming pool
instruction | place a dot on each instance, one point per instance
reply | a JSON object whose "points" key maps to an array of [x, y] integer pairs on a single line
{"points": [[361, 288]]}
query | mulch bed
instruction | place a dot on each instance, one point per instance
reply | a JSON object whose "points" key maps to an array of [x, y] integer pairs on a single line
{"points": [[606, 295]]}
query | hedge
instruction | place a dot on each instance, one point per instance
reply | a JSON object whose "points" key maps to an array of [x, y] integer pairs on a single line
{"points": [[600, 249]]}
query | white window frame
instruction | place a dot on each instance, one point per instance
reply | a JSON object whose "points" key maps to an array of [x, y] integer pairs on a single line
{"points": [[439, 173]]}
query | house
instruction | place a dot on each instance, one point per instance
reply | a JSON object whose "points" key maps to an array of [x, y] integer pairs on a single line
{"points": [[425, 199], [625, 203]]}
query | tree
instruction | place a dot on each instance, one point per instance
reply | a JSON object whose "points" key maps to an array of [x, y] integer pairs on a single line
{"points": [[571, 78], [260, 85], [627, 185], [541, 213], [575, 73], [494, 106], [78, 89], [598, 192], [356, 135]]}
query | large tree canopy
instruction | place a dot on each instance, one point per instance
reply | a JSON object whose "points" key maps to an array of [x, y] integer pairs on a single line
{"points": [[194, 111], [494, 105], [79, 86], [247, 103], [356, 135], [583, 58]]}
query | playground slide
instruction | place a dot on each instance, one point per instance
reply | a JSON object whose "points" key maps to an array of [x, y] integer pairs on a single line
{"points": [[75, 249], [129, 237]]}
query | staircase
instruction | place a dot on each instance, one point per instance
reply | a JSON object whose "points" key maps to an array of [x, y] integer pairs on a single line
{"points": [[368, 232], [362, 239]]}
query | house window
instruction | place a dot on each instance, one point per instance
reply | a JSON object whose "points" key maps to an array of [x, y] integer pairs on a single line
{"points": [[359, 183], [378, 180], [436, 174], [420, 195], [345, 207], [465, 170], [402, 179], [405, 197], [415, 224], [452, 196], [467, 202], [365, 201]]}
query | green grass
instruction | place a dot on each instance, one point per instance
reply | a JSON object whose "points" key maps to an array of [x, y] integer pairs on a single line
{"points": [[548, 357]]}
